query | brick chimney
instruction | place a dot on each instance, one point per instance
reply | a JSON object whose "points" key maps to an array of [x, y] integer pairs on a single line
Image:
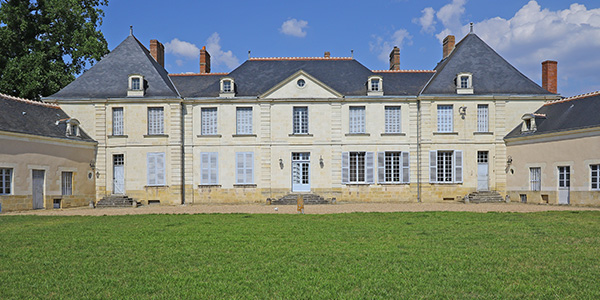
{"points": [[549, 76], [449, 42], [204, 60], [157, 50], [395, 58], [327, 54]]}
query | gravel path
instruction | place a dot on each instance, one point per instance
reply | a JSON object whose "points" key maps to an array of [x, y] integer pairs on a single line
{"points": [[308, 209]]}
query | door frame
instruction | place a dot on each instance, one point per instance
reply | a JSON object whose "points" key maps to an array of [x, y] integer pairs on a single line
{"points": [[114, 181], [301, 162], [480, 162], [33, 189], [564, 192]]}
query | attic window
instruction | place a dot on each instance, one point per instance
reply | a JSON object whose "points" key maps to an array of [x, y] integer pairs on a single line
{"points": [[464, 83], [227, 86], [227, 89], [375, 86], [528, 123], [136, 86], [72, 127]]}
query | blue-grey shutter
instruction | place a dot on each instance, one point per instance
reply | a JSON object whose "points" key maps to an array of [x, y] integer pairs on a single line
{"points": [[380, 167], [204, 168], [405, 167], [151, 165], [345, 167], [433, 166], [458, 168], [214, 168], [160, 169], [239, 167], [249, 167], [370, 167]]}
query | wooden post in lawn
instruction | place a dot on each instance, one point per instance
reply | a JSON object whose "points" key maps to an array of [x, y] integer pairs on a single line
{"points": [[300, 203]]}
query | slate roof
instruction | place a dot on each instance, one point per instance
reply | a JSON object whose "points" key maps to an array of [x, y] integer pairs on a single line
{"points": [[36, 118], [257, 75], [578, 112], [492, 74], [109, 77]]}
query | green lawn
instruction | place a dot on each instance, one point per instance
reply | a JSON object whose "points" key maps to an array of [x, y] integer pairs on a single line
{"points": [[360, 255]]}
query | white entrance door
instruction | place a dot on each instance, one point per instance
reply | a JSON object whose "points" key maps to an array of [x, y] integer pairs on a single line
{"points": [[38, 188], [482, 171], [118, 174], [301, 172], [564, 184]]}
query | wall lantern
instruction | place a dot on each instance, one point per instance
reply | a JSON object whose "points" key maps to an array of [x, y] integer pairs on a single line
{"points": [[462, 111], [321, 162], [281, 163]]}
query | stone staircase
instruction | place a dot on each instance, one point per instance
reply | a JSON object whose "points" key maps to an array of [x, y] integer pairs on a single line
{"points": [[291, 199], [484, 197], [116, 201]]}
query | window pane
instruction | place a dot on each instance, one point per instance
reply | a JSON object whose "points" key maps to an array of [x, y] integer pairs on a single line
{"points": [[444, 118], [482, 118], [357, 119], [208, 121], [535, 178], [5, 181], [300, 120], [155, 120], [393, 119], [444, 166], [117, 121], [244, 120], [66, 183]]}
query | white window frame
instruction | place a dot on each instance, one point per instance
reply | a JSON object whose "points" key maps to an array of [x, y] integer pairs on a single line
{"points": [[300, 120], [467, 78], [483, 114], [66, 183], [243, 116], [357, 119], [595, 177], [156, 169], [225, 92], [156, 120], [244, 165], [449, 171], [393, 119], [535, 179], [564, 176], [445, 118], [118, 121], [135, 90], [209, 168], [357, 170], [6, 175], [375, 86], [208, 121], [393, 167]]}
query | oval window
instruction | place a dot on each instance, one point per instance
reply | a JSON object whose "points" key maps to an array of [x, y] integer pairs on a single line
{"points": [[301, 82]]}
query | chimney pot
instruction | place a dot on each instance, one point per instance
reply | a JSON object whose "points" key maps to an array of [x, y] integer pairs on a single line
{"points": [[327, 54], [157, 50], [395, 59], [550, 76], [204, 60], [449, 42]]}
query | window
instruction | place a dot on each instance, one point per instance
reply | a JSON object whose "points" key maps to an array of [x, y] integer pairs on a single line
{"points": [[358, 167], [117, 121], [564, 177], [135, 83], [5, 181], [357, 119], [209, 121], [528, 123], [244, 162], [300, 120], [594, 176], [227, 86], [244, 120], [393, 167], [464, 83], [375, 86], [209, 168], [66, 185], [393, 119], [445, 166], [301, 83], [156, 168], [136, 86], [535, 179], [444, 118], [482, 118], [155, 121], [72, 127]]}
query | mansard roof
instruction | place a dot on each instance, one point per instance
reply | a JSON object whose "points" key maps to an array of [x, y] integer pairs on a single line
{"points": [[492, 74], [109, 77], [345, 75], [36, 118], [573, 113]]}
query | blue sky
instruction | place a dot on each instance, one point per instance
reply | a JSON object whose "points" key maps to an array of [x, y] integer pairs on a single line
{"points": [[523, 32]]}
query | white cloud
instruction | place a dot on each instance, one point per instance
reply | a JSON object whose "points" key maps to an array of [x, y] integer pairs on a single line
{"points": [[427, 20], [450, 15], [182, 48], [217, 55], [383, 47], [294, 27]]}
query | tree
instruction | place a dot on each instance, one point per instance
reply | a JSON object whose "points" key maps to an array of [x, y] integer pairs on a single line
{"points": [[45, 43]]}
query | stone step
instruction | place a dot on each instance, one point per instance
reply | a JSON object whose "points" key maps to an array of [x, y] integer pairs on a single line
{"points": [[292, 199], [484, 197], [116, 201]]}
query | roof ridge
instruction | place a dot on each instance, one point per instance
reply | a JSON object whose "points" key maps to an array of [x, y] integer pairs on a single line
{"points": [[41, 103], [576, 97], [197, 74], [403, 71], [301, 58]]}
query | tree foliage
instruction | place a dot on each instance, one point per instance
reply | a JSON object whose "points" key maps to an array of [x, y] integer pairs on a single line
{"points": [[45, 43]]}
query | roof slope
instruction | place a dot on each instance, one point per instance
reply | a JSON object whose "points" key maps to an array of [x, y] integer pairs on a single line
{"points": [[257, 75], [572, 113], [35, 118], [109, 77], [492, 74]]}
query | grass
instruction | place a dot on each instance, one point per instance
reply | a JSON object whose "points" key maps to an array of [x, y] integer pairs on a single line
{"points": [[360, 255]]}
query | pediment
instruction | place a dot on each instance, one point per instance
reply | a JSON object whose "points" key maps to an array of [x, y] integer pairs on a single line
{"points": [[300, 85]]}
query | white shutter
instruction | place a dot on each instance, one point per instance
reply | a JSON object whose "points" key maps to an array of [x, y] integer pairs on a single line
{"points": [[214, 168], [239, 167], [405, 167], [204, 168], [160, 168], [345, 167], [380, 167], [151, 168], [370, 167], [432, 166], [458, 168], [249, 167]]}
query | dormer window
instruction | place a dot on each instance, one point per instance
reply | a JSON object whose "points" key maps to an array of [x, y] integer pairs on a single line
{"points": [[528, 123], [72, 127], [375, 86], [136, 86], [464, 83], [227, 88]]}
